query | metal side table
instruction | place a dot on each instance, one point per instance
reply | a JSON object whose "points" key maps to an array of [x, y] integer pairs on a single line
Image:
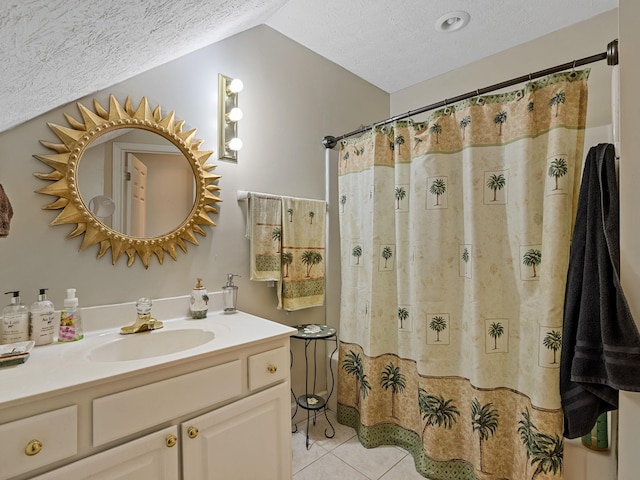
{"points": [[311, 401]]}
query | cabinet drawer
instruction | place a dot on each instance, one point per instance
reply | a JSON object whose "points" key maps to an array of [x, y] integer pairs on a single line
{"points": [[269, 367], [131, 411], [56, 433]]}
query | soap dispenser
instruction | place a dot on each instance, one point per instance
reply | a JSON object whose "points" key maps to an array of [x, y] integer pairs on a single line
{"points": [[199, 301], [15, 321], [42, 322], [230, 294], [70, 322]]}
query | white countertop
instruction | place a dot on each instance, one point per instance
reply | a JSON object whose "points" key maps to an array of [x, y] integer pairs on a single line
{"points": [[60, 367]]}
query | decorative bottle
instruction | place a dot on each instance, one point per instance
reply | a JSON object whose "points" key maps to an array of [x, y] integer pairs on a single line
{"points": [[70, 319], [42, 320], [15, 321], [230, 294], [199, 301]]}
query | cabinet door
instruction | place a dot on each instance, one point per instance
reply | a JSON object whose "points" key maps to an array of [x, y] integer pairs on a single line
{"points": [[248, 439], [148, 458]]}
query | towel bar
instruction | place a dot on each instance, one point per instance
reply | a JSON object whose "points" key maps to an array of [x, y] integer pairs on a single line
{"points": [[242, 195]]}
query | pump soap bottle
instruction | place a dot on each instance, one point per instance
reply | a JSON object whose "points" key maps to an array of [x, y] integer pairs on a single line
{"points": [[70, 322], [199, 301], [15, 321], [42, 320], [230, 294]]}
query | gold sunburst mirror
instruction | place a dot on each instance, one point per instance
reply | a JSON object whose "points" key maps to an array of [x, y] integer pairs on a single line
{"points": [[78, 207]]}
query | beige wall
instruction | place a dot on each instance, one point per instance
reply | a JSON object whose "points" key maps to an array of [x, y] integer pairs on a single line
{"points": [[629, 460]]}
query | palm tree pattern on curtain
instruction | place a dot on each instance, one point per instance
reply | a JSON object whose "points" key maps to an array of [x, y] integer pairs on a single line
{"points": [[558, 169], [438, 324], [403, 314], [544, 451], [457, 361], [553, 341], [496, 183], [438, 188], [393, 379]]}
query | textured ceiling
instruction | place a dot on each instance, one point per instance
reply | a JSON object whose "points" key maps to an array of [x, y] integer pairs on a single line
{"points": [[55, 51]]}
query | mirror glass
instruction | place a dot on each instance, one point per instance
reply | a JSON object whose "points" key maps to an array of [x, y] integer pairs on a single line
{"points": [[149, 180]]}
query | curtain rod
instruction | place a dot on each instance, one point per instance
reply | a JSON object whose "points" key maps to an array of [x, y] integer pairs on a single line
{"points": [[611, 55]]}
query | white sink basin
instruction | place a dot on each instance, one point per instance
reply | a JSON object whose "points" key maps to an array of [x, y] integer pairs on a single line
{"points": [[150, 344]]}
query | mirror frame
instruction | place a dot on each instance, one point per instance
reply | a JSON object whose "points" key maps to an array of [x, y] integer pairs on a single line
{"points": [[79, 136]]}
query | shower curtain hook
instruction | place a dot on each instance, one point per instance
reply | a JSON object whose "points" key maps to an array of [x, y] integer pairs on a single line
{"points": [[573, 73]]}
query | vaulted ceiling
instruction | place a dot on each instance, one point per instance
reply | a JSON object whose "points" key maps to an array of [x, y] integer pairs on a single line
{"points": [[55, 51]]}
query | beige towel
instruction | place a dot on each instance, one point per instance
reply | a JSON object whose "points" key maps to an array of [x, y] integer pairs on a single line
{"points": [[303, 254], [6, 213], [264, 226]]}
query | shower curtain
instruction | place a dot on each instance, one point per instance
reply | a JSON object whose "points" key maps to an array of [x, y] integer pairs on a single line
{"points": [[455, 237]]}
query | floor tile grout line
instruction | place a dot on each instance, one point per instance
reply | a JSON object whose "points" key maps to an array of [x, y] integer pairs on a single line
{"points": [[307, 466], [336, 458], [393, 466], [312, 441], [403, 453]]}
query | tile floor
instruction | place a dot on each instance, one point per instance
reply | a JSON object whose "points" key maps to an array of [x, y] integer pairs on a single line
{"points": [[344, 457]]}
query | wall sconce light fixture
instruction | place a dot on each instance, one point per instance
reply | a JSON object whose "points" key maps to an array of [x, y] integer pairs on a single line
{"points": [[228, 116]]}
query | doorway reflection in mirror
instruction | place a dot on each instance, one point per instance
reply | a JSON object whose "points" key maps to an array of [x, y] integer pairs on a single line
{"points": [[149, 179]]}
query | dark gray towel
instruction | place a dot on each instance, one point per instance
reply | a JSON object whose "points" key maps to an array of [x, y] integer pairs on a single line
{"points": [[600, 340], [6, 212]]}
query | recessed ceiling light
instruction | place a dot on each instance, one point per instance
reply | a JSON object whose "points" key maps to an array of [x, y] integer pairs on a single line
{"points": [[452, 21]]}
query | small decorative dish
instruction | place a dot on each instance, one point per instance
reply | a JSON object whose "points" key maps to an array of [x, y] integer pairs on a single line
{"points": [[15, 353]]}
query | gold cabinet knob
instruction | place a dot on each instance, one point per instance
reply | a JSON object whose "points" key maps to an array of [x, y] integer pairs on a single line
{"points": [[192, 432], [272, 368], [33, 448], [170, 440]]}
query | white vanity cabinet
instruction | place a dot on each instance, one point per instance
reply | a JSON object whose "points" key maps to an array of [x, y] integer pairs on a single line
{"points": [[223, 414], [153, 457], [240, 441]]}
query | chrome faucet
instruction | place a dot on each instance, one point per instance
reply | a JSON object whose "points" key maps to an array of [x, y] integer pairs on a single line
{"points": [[144, 321]]}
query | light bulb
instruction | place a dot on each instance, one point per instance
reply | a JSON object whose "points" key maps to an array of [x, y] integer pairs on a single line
{"points": [[235, 144], [235, 86], [234, 115]]}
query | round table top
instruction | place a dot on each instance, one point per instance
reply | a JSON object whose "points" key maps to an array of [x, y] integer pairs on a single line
{"points": [[313, 331]]}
